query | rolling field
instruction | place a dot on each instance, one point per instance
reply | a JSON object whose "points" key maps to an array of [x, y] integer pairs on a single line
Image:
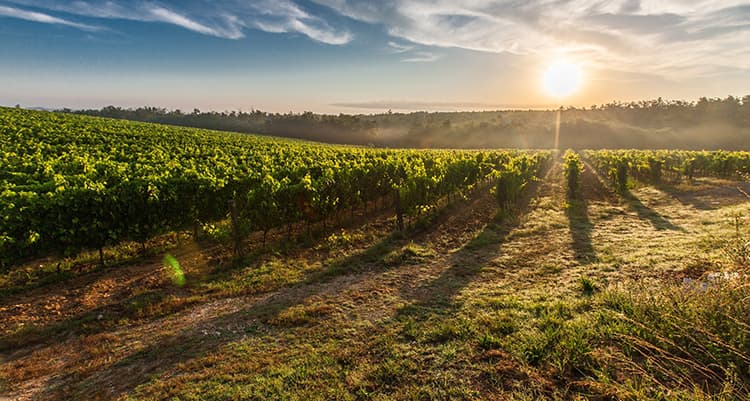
{"points": [[507, 280]]}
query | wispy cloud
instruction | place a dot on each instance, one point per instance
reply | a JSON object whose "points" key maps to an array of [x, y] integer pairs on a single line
{"points": [[227, 19], [422, 57], [399, 48], [168, 16], [43, 18], [411, 53], [665, 37], [659, 36], [320, 34]]}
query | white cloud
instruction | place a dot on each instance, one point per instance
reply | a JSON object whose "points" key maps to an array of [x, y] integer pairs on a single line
{"points": [[280, 16], [321, 35], [667, 37], [411, 53], [43, 18], [225, 19], [421, 57], [164, 15], [399, 48]]}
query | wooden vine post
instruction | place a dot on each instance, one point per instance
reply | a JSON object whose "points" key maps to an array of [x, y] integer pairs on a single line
{"points": [[236, 235]]}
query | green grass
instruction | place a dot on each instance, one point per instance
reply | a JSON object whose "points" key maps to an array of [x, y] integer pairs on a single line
{"points": [[567, 334], [511, 316], [410, 253], [588, 287]]}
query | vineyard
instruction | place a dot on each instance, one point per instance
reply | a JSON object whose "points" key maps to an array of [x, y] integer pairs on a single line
{"points": [[356, 273], [69, 183]]}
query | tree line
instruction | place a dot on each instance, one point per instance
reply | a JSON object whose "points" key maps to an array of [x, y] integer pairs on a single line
{"points": [[708, 123]]}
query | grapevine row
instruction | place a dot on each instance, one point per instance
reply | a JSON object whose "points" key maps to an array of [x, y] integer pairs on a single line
{"points": [[653, 166], [69, 183]]}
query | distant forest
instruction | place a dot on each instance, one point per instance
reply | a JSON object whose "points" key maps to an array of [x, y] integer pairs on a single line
{"points": [[719, 123]]}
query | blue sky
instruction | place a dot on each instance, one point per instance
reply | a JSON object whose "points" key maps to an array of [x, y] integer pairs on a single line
{"points": [[361, 56]]}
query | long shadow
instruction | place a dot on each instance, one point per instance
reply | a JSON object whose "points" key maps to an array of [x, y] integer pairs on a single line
{"points": [[186, 344], [89, 322], [646, 213], [103, 318], [278, 241], [255, 320], [468, 262], [684, 198], [580, 230]]}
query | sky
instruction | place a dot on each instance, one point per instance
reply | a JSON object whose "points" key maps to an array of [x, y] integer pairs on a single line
{"points": [[359, 56]]}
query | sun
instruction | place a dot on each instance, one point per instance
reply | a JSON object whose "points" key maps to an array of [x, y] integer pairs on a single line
{"points": [[562, 78]]}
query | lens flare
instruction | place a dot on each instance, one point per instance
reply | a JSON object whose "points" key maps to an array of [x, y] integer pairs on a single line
{"points": [[178, 276]]}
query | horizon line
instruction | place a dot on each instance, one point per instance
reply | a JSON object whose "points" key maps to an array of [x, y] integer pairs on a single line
{"points": [[383, 107]]}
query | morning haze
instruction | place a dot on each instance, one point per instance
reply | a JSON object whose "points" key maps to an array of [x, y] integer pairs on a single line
{"points": [[361, 200]]}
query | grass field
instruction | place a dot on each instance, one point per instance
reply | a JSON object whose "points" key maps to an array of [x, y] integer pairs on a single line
{"points": [[591, 296]]}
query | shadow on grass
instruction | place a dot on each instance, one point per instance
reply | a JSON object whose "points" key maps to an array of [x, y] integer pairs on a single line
{"points": [[120, 377], [580, 230], [468, 262], [154, 302], [259, 318], [684, 198], [646, 213]]}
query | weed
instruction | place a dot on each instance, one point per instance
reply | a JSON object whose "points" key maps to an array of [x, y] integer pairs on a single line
{"points": [[392, 371], [504, 325], [340, 240], [487, 237], [411, 253], [409, 331], [737, 249], [219, 232], [448, 330], [488, 341], [682, 340], [301, 315], [587, 286]]}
